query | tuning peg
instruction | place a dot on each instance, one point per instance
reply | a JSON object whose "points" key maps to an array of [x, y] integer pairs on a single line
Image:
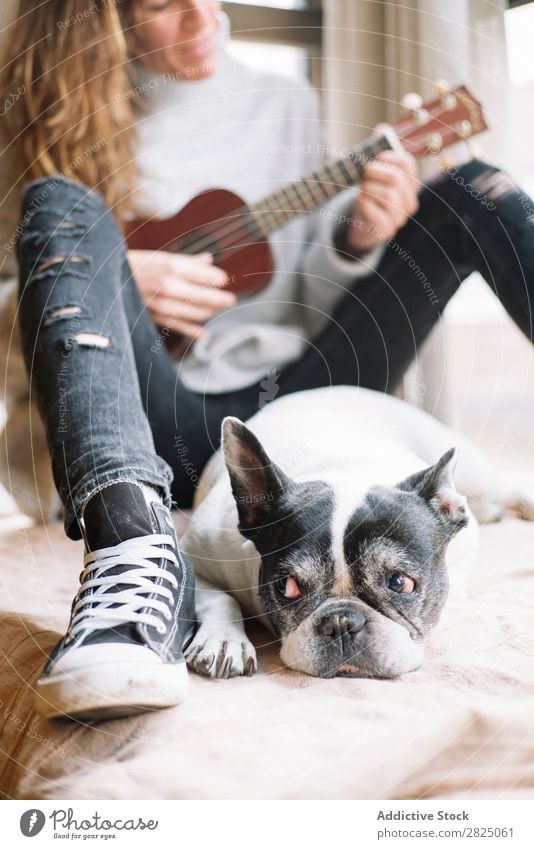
{"points": [[464, 129], [435, 142], [442, 87], [412, 101]]}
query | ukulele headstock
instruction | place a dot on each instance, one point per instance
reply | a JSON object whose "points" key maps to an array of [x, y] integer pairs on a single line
{"points": [[453, 116]]}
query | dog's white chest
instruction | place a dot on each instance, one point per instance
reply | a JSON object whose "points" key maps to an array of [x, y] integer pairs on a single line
{"points": [[220, 554]]}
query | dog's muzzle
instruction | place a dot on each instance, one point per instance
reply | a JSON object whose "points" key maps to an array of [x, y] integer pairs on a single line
{"points": [[339, 628]]}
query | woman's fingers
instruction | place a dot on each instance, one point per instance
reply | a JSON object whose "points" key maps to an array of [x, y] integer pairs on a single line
{"points": [[390, 201], [389, 162], [398, 153], [400, 159], [395, 181], [178, 289], [197, 269], [186, 310], [378, 221], [398, 169], [391, 196], [395, 177], [388, 197], [178, 325]]}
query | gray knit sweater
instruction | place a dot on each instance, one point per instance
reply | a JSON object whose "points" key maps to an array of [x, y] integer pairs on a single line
{"points": [[252, 132]]}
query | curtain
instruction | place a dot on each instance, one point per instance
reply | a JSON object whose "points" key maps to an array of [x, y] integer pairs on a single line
{"points": [[374, 53]]}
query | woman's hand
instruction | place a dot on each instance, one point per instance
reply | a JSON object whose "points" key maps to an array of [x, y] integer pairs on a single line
{"points": [[388, 198], [182, 292]]}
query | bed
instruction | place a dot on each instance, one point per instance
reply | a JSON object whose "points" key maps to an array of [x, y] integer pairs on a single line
{"points": [[460, 727]]}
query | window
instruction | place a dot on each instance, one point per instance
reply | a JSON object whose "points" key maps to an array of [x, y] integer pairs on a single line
{"points": [[281, 34], [296, 22], [519, 22], [276, 4]]}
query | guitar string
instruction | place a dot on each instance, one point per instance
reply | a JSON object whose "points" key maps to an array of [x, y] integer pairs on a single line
{"points": [[255, 228], [212, 239], [279, 214], [252, 228]]}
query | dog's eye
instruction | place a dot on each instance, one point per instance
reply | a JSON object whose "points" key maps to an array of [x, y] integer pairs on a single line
{"points": [[401, 583], [288, 587]]}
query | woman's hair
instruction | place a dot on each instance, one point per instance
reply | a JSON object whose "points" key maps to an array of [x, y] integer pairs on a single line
{"points": [[64, 87]]}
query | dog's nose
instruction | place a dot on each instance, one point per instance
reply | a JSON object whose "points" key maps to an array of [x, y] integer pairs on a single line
{"points": [[340, 624]]}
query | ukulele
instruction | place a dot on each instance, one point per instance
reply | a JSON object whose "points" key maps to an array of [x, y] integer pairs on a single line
{"points": [[237, 235]]}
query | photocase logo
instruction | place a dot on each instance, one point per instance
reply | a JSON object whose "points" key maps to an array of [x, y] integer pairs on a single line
{"points": [[32, 822]]}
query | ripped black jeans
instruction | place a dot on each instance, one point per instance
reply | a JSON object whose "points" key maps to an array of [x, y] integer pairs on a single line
{"points": [[111, 398]]}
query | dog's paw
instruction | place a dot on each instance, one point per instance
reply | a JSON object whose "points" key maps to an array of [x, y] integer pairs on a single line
{"points": [[487, 510], [219, 655], [522, 502], [519, 498]]}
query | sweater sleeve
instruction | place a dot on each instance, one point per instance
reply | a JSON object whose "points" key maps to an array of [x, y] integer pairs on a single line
{"points": [[321, 257]]}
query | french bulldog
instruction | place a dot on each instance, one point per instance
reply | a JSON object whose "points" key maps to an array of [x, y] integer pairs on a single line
{"points": [[333, 518]]}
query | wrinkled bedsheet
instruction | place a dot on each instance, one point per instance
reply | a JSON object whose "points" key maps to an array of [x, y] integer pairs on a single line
{"points": [[462, 726]]}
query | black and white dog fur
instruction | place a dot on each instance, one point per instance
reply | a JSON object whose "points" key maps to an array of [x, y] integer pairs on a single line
{"points": [[332, 517]]}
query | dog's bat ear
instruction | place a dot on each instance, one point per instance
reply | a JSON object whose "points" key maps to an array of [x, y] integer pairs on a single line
{"points": [[256, 481], [436, 485]]}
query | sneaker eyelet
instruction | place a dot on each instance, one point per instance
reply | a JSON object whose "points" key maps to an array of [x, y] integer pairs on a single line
{"points": [[161, 629]]}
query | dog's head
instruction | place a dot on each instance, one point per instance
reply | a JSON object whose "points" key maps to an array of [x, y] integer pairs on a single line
{"points": [[351, 589]]}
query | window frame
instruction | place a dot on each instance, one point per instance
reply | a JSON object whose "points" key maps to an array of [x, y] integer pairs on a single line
{"points": [[270, 24]]}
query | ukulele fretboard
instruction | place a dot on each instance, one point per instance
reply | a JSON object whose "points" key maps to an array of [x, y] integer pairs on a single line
{"points": [[316, 189]]}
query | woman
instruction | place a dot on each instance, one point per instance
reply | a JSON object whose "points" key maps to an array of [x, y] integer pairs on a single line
{"points": [[140, 101]]}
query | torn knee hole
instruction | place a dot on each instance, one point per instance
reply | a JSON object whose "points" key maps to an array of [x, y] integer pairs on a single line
{"points": [[62, 312], [93, 340], [495, 184], [57, 260]]}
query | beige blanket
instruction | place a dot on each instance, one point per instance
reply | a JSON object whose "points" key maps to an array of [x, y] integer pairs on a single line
{"points": [[462, 726]]}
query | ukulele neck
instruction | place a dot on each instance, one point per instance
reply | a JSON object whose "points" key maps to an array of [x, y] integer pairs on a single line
{"points": [[317, 188]]}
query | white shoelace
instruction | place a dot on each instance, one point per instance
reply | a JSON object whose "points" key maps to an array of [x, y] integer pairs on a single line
{"points": [[94, 610]]}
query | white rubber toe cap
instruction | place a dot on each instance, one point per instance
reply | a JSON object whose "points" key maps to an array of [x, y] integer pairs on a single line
{"points": [[108, 680], [104, 653]]}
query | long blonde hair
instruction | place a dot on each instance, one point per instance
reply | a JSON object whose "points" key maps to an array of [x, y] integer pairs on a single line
{"points": [[64, 85]]}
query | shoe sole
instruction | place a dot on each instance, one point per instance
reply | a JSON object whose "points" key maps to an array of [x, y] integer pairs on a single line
{"points": [[101, 691]]}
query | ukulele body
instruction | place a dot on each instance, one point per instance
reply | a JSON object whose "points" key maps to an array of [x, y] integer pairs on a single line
{"points": [[217, 221]]}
